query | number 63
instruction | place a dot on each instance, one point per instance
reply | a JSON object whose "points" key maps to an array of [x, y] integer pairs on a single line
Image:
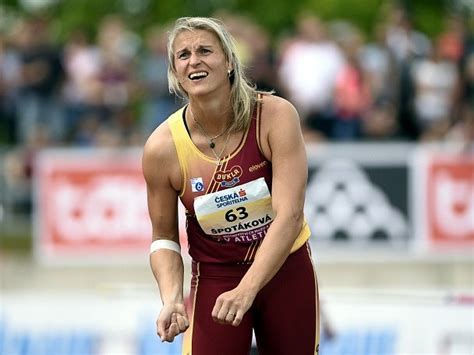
{"points": [[231, 215]]}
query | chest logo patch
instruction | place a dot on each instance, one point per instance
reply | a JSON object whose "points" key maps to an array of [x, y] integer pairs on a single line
{"points": [[228, 178], [197, 184]]}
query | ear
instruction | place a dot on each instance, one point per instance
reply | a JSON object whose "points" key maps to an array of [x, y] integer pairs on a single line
{"points": [[230, 70], [231, 75], [229, 66]]}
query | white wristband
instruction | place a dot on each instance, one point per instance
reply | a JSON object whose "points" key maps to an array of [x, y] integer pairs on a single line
{"points": [[164, 244]]}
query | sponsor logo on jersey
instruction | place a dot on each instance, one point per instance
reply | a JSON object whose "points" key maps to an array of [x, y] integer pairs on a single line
{"points": [[258, 166], [228, 178], [231, 198]]}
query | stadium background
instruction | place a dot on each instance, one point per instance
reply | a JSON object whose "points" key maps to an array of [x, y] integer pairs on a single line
{"points": [[390, 195]]}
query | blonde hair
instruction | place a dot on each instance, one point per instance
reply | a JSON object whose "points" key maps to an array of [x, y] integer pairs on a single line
{"points": [[243, 95]]}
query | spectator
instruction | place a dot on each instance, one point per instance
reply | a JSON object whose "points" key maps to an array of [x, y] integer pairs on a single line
{"points": [[253, 47], [406, 44], [41, 74], [403, 39], [452, 40], [261, 63], [436, 82], [9, 78], [309, 63], [118, 47], [378, 65], [81, 94], [19, 170], [352, 96], [158, 103]]}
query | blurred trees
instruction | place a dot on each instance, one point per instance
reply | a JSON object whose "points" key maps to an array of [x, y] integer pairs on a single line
{"points": [[276, 15]]}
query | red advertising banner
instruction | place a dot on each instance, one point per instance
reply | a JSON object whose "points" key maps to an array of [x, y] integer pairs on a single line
{"points": [[90, 204], [449, 200]]}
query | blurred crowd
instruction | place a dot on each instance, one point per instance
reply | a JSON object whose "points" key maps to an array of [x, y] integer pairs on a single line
{"points": [[111, 89]]}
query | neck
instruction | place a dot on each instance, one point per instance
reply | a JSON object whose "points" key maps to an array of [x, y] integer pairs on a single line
{"points": [[214, 117], [211, 139]]}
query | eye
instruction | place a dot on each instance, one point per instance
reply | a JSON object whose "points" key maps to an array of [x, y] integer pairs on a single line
{"points": [[204, 51], [183, 55]]}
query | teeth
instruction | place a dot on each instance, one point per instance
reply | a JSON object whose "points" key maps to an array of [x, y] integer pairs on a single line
{"points": [[201, 74]]}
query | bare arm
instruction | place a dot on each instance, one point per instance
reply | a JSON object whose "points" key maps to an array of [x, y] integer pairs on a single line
{"points": [[166, 265], [285, 147], [290, 173]]}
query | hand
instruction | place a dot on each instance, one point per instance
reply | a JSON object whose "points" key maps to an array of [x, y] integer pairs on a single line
{"points": [[172, 321], [231, 306]]}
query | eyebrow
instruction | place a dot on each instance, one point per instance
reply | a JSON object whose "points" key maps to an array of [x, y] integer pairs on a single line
{"points": [[206, 46]]}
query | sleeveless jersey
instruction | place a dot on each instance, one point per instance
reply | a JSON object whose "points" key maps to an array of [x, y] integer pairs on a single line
{"points": [[228, 206]]}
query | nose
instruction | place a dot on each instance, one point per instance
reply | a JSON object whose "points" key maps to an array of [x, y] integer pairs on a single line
{"points": [[194, 59]]}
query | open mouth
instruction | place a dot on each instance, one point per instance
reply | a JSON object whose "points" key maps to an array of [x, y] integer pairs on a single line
{"points": [[198, 75]]}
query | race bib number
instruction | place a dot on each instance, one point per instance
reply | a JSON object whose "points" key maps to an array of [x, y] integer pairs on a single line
{"points": [[242, 213]]}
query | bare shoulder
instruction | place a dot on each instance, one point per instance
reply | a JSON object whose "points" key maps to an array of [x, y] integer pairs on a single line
{"points": [[277, 107], [159, 155], [158, 143], [279, 119]]}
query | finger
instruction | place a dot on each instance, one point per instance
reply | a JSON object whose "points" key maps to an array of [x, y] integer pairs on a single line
{"points": [[229, 318], [161, 329], [182, 322], [173, 331], [238, 318], [221, 316], [216, 309]]}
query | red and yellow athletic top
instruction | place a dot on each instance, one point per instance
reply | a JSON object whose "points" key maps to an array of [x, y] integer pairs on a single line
{"points": [[228, 206]]}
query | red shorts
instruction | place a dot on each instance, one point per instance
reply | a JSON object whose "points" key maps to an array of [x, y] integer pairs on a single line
{"points": [[284, 315]]}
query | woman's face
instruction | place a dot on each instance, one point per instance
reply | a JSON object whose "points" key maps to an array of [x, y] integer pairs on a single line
{"points": [[201, 65]]}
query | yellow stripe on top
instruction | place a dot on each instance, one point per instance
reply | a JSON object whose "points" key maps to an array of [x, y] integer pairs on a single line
{"points": [[183, 150], [187, 152], [213, 186], [303, 236]]}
